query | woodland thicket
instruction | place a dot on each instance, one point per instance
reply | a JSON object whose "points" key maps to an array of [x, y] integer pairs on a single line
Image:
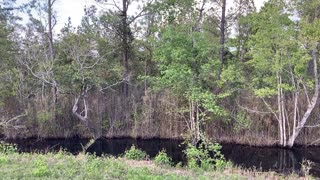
{"points": [[192, 69]]}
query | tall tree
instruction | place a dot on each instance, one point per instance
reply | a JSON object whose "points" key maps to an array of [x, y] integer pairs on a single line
{"points": [[245, 7], [10, 73], [222, 41], [310, 37], [118, 19], [280, 65], [185, 56], [42, 66]]}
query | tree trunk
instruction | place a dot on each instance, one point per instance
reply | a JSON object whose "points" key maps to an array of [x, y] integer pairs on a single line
{"points": [[125, 46], [280, 120], [50, 34], [54, 88], [284, 119], [84, 117], [222, 32], [312, 104]]}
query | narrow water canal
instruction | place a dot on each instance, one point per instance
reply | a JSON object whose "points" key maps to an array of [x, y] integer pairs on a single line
{"points": [[275, 159]]}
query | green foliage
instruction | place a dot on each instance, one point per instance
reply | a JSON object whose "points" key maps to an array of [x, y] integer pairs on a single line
{"points": [[200, 157], [275, 50], [41, 168], [162, 158], [3, 159], [207, 100], [44, 116], [265, 92], [188, 69], [7, 148], [93, 167], [243, 121], [135, 154], [85, 57], [9, 73], [68, 166], [182, 58]]}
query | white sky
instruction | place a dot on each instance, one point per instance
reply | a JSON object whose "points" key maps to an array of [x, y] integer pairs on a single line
{"points": [[70, 8], [74, 9]]}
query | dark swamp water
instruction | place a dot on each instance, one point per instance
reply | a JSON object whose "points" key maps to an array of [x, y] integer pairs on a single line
{"points": [[262, 158]]}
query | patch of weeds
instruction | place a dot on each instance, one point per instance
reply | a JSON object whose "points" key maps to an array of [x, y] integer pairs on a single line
{"points": [[141, 173], [145, 173], [65, 166], [93, 167], [115, 169], [3, 159], [163, 159], [8, 148], [41, 168], [135, 154], [179, 165], [61, 154]]}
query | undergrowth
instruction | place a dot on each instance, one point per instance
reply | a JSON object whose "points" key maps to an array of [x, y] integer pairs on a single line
{"points": [[63, 165], [135, 154]]}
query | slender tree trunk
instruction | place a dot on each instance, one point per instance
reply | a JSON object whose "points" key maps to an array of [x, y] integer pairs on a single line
{"points": [[198, 130], [280, 111], [222, 32], [50, 34], [125, 108], [125, 46], [192, 124], [290, 143], [194, 116], [54, 88], [284, 119]]}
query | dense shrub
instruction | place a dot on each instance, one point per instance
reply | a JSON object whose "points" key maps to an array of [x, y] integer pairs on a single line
{"points": [[205, 156], [135, 154], [162, 158]]}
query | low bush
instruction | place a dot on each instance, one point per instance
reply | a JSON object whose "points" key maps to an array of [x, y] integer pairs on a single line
{"points": [[162, 158], [135, 154], [41, 168], [205, 156], [7, 148]]}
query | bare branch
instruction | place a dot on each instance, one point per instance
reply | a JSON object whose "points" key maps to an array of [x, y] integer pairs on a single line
{"points": [[8, 122], [252, 110], [141, 13], [313, 126], [109, 87], [270, 109], [306, 93], [115, 4]]}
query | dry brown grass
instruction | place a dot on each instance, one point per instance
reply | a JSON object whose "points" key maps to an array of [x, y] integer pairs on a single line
{"points": [[228, 173]]}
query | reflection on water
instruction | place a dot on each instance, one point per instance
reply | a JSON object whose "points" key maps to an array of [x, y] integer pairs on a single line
{"points": [[117, 147], [276, 159]]}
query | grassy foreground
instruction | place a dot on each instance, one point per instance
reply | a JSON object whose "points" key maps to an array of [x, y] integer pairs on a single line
{"points": [[63, 165]]}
